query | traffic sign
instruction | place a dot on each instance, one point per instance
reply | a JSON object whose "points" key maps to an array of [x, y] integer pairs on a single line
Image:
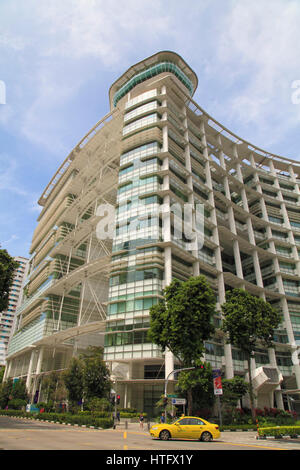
{"points": [[172, 396], [217, 382], [178, 401]]}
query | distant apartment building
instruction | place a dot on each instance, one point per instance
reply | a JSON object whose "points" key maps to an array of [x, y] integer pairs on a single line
{"points": [[158, 147], [7, 317]]}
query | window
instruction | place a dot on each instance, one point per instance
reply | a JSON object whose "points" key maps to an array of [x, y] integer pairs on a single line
{"points": [[275, 220], [151, 72], [196, 422], [150, 119], [184, 421], [140, 110]]}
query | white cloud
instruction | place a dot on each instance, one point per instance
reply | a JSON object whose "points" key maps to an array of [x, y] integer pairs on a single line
{"points": [[258, 53], [10, 182], [12, 42], [251, 46], [8, 167], [11, 239], [63, 44], [101, 29]]}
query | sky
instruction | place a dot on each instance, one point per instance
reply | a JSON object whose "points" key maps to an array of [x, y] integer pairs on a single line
{"points": [[59, 58]]}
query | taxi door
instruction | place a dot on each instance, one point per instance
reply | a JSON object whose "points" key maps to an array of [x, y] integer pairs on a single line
{"points": [[196, 427], [182, 429]]}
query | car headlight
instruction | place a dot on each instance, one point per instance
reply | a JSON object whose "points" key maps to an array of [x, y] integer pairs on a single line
{"points": [[154, 427]]}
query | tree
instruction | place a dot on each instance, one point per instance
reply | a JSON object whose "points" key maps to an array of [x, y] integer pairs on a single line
{"points": [[87, 377], [54, 389], [96, 376], [5, 393], [233, 390], [73, 379], [247, 321], [199, 384], [10, 390], [7, 268], [19, 390], [182, 322], [2, 371]]}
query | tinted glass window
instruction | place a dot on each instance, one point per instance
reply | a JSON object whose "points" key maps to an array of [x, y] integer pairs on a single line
{"points": [[196, 422], [183, 421]]}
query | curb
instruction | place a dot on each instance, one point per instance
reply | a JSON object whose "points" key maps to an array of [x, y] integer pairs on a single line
{"points": [[238, 430], [263, 438]]}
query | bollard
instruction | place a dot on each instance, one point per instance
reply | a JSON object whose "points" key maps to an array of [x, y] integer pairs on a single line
{"points": [[126, 424]]}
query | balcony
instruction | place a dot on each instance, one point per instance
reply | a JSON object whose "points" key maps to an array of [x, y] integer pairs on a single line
{"points": [[265, 379]]}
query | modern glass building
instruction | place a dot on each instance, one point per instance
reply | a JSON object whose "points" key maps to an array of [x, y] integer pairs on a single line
{"points": [[7, 317], [107, 241]]}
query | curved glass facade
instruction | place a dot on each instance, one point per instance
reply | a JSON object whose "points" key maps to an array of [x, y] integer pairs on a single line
{"points": [[151, 72]]}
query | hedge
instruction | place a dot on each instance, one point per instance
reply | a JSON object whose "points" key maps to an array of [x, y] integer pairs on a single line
{"points": [[67, 418], [16, 413], [238, 427], [279, 431]]}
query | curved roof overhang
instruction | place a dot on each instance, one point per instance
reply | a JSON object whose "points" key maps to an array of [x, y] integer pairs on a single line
{"points": [[155, 59]]}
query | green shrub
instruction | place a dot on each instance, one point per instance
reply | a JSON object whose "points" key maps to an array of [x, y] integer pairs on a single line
{"points": [[98, 405], [273, 416], [17, 404], [278, 431], [68, 418], [128, 410], [237, 427], [17, 413], [101, 414], [132, 415], [46, 406]]}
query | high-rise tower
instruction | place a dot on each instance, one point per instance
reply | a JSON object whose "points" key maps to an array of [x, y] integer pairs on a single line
{"points": [[106, 244], [7, 317]]}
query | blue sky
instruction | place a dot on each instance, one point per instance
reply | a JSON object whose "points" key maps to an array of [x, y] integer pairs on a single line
{"points": [[59, 58]]}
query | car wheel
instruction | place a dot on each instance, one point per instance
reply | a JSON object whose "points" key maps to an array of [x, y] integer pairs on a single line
{"points": [[206, 436], [164, 435]]}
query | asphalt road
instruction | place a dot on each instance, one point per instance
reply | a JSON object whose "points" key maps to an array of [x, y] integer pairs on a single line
{"points": [[23, 434]]}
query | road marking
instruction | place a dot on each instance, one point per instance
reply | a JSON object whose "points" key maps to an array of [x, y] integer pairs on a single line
{"points": [[125, 447], [251, 445]]}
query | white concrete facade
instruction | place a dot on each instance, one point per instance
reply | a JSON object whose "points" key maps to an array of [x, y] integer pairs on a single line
{"points": [[157, 145]]}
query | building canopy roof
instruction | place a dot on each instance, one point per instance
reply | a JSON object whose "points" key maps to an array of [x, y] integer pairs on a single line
{"points": [[164, 61]]}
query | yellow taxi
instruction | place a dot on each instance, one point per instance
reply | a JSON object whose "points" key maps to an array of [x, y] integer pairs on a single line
{"points": [[186, 427]]}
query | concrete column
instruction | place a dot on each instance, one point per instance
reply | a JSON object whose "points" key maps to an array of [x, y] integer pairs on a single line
{"points": [[257, 269], [7, 370], [165, 139], [229, 369], [38, 371], [40, 361], [237, 259], [277, 394], [296, 365], [169, 358], [28, 380]]}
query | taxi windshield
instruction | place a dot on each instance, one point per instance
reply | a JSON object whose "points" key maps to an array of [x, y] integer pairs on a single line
{"points": [[175, 420]]}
